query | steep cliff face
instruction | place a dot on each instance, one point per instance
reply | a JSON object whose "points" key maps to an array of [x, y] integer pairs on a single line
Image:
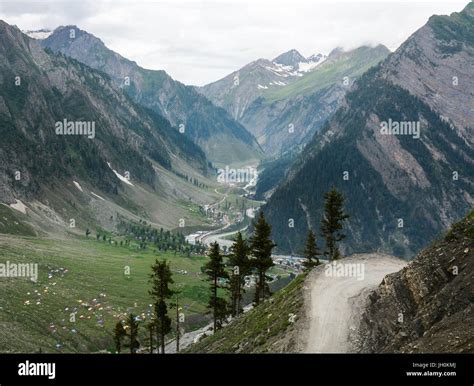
{"points": [[436, 65], [429, 305]]}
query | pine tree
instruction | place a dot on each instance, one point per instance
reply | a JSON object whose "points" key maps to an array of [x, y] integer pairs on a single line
{"points": [[161, 280], [178, 331], [151, 327], [132, 327], [240, 266], [215, 271], [332, 222], [261, 247], [311, 252], [119, 334]]}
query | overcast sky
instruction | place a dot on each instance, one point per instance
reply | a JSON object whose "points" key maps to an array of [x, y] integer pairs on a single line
{"points": [[198, 42]]}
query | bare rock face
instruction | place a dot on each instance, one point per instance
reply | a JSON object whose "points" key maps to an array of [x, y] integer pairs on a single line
{"points": [[436, 63], [429, 305]]}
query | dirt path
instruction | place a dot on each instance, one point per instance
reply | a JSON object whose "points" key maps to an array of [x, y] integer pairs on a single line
{"points": [[336, 302]]}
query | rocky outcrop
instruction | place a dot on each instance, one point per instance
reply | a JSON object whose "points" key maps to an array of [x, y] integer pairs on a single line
{"points": [[435, 64], [429, 305]]}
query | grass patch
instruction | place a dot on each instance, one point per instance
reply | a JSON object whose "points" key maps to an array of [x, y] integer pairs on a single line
{"points": [[85, 277], [261, 329]]}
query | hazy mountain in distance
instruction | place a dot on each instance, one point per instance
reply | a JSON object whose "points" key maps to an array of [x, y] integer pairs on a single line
{"points": [[290, 58], [39, 34], [222, 138], [286, 117], [284, 101], [400, 190], [238, 90]]}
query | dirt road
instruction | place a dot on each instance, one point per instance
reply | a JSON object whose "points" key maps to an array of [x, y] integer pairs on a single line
{"points": [[336, 301]]}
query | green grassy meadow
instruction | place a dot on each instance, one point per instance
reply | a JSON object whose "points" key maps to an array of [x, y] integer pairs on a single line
{"points": [[86, 277]]}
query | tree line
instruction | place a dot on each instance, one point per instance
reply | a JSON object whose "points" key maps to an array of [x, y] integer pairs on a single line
{"points": [[226, 275]]}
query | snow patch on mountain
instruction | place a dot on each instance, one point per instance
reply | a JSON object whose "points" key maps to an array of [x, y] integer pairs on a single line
{"points": [[312, 63], [77, 185], [97, 196], [119, 176], [39, 34], [19, 206], [299, 69]]}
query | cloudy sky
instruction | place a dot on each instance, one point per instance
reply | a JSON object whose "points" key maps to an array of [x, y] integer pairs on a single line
{"points": [[198, 42]]}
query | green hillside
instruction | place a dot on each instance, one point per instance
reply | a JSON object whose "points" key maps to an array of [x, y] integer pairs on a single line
{"points": [[350, 64], [270, 327]]}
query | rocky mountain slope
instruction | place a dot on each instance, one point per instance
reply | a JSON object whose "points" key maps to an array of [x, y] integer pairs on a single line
{"points": [[222, 138], [80, 176], [436, 65], [400, 190], [429, 305]]}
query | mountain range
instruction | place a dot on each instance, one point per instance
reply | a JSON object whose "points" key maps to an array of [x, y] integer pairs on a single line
{"points": [[401, 188], [66, 172], [222, 138], [334, 105], [283, 102], [238, 90]]}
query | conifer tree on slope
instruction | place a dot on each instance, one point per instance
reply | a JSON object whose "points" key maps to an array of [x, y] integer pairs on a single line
{"points": [[132, 327], [215, 270], [332, 222], [151, 327], [119, 334], [311, 252], [261, 247], [161, 280], [240, 266]]}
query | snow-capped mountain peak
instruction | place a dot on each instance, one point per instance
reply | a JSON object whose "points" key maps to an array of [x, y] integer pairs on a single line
{"points": [[39, 34], [312, 62], [292, 63]]}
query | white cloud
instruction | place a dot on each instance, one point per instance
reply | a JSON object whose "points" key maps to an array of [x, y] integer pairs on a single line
{"points": [[198, 42]]}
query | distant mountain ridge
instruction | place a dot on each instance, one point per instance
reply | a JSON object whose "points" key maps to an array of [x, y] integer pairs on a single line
{"points": [[236, 92], [223, 139], [289, 116], [298, 62], [283, 102]]}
